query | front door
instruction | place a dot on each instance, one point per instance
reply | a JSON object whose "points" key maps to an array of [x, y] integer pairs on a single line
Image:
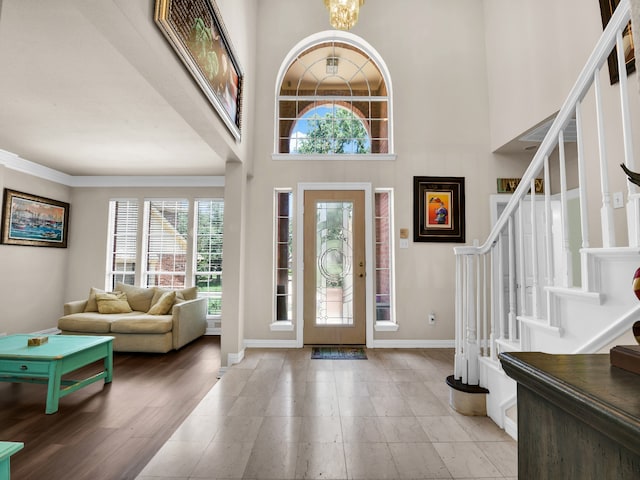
{"points": [[334, 267]]}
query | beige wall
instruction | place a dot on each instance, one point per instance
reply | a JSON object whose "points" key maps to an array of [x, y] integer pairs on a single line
{"points": [[452, 107], [436, 58], [535, 51], [32, 280]]}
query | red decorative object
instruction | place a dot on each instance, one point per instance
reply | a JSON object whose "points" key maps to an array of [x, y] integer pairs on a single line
{"points": [[636, 283]]}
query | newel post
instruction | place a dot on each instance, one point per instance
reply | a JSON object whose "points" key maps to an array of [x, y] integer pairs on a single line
{"points": [[465, 394], [467, 348]]}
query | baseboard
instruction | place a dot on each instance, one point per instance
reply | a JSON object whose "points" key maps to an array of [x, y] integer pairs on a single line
{"points": [[413, 344], [213, 331], [232, 359], [259, 343], [511, 428], [47, 331]]}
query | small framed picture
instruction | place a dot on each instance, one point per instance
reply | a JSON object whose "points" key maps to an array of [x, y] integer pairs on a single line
{"points": [[438, 209], [34, 221]]}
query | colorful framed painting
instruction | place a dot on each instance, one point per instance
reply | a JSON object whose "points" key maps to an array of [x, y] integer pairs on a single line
{"points": [[195, 30], [438, 209], [607, 8], [34, 221]]}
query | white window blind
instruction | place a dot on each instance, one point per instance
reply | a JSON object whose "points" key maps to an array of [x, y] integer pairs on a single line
{"points": [[166, 241], [124, 242]]}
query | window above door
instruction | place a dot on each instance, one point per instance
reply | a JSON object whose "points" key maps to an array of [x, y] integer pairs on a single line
{"points": [[333, 101]]}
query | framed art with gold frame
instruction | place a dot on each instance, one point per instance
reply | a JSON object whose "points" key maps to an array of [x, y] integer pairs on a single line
{"points": [[438, 209], [34, 221], [195, 30]]}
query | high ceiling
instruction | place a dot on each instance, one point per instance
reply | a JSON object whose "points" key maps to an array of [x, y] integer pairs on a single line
{"points": [[91, 87]]}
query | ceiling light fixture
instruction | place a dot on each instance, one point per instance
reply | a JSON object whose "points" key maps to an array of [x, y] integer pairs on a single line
{"points": [[343, 14], [332, 65]]}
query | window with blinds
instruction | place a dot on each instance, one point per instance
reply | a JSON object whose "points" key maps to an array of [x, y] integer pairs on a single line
{"points": [[165, 243], [124, 242], [208, 252], [179, 246]]}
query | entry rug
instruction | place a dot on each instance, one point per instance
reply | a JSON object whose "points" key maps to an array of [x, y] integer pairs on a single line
{"points": [[338, 353]]}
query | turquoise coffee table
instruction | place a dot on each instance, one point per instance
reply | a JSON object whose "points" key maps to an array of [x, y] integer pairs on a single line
{"points": [[6, 450], [49, 362]]}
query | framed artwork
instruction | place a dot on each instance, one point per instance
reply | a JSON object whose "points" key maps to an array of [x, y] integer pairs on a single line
{"points": [[195, 30], [34, 221], [509, 185], [607, 8], [438, 209]]}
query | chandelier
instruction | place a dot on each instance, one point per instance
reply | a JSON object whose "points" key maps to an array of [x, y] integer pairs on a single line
{"points": [[343, 14]]}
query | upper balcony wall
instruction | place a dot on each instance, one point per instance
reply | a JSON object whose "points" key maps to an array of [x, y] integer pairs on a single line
{"points": [[535, 51]]}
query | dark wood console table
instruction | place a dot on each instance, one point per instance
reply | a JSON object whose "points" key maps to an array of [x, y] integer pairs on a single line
{"points": [[578, 417]]}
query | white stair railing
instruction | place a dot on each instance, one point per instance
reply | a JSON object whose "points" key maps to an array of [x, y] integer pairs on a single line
{"points": [[488, 276]]}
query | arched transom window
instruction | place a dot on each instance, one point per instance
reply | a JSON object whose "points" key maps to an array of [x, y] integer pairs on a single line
{"points": [[333, 99]]}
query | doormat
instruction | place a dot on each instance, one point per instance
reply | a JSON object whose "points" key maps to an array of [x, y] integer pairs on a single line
{"points": [[338, 353]]}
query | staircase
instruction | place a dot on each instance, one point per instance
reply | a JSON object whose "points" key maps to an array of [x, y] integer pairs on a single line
{"points": [[544, 279]]}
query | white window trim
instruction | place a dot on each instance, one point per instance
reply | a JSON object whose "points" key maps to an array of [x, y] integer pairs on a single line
{"points": [[144, 272], [389, 325], [386, 326], [194, 250], [356, 157], [279, 325], [110, 232], [349, 39]]}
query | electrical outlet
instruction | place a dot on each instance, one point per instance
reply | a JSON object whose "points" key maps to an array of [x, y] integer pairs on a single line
{"points": [[432, 319]]}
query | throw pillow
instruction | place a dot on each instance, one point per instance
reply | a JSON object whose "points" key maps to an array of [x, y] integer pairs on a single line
{"points": [[139, 298], [190, 293], [115, 302], [164, 304], [92, 305], [182, 295]]}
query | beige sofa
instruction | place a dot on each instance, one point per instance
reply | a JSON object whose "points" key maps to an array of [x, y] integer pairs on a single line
{"points": [[147, 320]]}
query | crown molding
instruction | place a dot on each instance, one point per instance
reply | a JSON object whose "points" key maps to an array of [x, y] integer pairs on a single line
{"points": [[15, 162]]}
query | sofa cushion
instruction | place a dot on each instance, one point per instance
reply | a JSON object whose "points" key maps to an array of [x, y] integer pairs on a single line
{"points": [[142, 323], [139, 298], [88, 322], [112, 303], [92, 304], [182, 295], [164, 304]]}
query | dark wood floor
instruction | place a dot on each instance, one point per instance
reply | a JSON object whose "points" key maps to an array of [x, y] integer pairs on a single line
{"points": [[108, 431]]}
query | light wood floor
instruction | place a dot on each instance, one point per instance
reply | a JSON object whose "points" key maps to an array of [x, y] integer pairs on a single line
{"points": [[108, 432], [280, 415]]}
